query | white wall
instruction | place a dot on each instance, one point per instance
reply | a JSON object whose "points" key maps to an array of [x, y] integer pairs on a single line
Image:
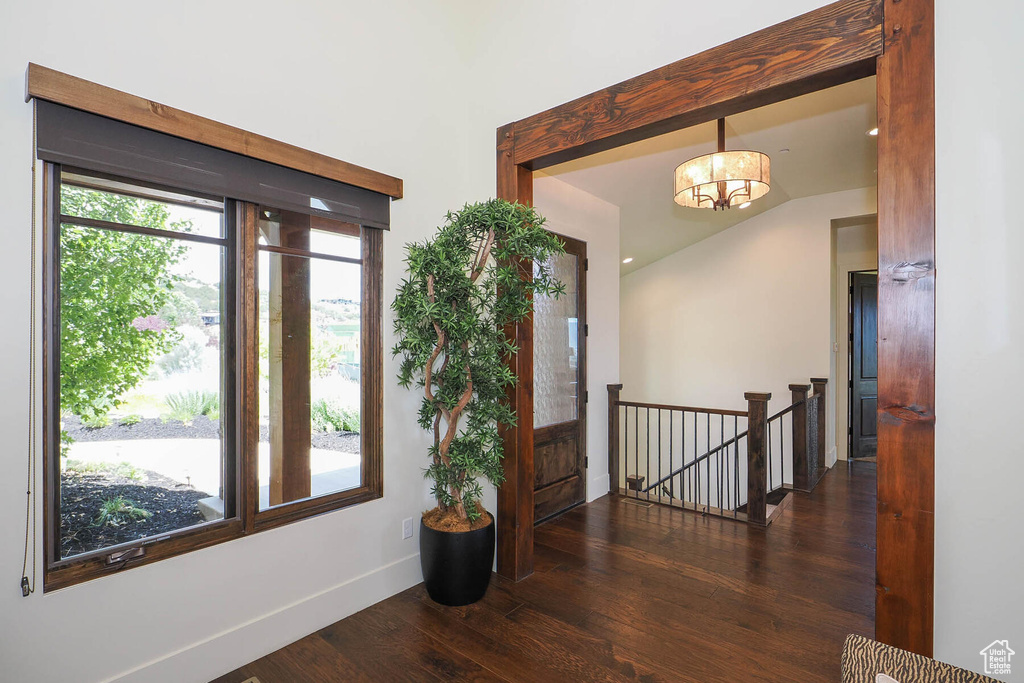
{"points": [[370, 83], [748, 309], [572, 212], [979, 456], [417, 90]]}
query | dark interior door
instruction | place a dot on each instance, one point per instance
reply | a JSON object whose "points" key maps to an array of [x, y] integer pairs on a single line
{"points": [[559, 388], [863, 365]]}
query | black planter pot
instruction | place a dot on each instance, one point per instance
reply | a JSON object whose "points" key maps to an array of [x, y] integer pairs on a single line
{"points": [[456, 564]]}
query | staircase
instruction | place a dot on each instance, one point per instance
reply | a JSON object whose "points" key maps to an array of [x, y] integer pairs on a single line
{"points": [[737, 464]]}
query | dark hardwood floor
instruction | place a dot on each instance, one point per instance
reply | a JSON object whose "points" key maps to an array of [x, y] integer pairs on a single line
{"points": [[627, 593]]}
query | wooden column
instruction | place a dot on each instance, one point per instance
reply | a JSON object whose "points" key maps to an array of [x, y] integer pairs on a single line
{"points": [[613, 436], [801, 450], [819, 389], [289, 361], [757, 456], [515, 496], [905, 571]]}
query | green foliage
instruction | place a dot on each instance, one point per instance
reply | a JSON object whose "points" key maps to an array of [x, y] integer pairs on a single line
{"points": [[462, 288], [122, 470], [324, 353], [131, 420], [113, 285], [119, 511], [331, 416], [180, 309], [186, 406], [187, 353], [95, 421]]}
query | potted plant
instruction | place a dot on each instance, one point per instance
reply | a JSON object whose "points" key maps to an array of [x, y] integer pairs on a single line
{"points": [[475, 276]]}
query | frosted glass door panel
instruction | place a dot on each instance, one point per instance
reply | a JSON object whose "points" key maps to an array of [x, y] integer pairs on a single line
{"points": [[555, 352]]}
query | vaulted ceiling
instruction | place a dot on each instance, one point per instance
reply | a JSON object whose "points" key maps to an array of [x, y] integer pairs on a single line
{"points": [[818, 143]]}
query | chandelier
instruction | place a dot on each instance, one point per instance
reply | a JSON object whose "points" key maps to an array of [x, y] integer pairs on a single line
{"points": [[722, 179]]}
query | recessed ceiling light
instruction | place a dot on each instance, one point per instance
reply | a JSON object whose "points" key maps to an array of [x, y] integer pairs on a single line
{"points": [[744, 205], [873, 132], [627, 260]]}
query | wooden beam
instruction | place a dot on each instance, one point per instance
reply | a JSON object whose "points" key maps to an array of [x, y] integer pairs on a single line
{"points": [[819, 465], [55, 86], [289, 350], [825, 47], [757, 457], [906, 328], [515, 496], [802, 449]]}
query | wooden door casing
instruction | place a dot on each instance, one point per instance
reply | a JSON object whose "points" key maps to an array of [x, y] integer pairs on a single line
{"points": [[863, 365], [560, 449], [834, 44]]}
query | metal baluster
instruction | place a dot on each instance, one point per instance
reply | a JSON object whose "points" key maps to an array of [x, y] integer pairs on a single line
{"points": [[636, 450], [647, 434], [625, 453], [782, 450], [707, 468], [672, 481], [721, 446], [736, 464], [657, 494], [770, 468], [695, 477], [682, 448]]}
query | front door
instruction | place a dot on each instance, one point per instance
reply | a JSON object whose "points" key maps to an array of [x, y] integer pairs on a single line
{"points": [[559, 388], [863, 365]]}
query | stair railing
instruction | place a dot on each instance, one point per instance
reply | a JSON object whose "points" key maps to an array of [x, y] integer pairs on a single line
{"points": [[700, 459]]}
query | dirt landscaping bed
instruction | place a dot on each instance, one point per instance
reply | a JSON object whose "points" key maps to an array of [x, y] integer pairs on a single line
{"points": [[170, 506]]}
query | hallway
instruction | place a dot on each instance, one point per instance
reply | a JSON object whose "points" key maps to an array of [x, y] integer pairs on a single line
{"points": [[623, 592]]}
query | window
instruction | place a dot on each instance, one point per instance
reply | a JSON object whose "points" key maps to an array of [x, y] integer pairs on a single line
{"points": [[144, 392], [212, 362]]}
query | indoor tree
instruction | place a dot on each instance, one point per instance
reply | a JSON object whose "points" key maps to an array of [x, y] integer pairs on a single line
{"points": [[475, 276]]}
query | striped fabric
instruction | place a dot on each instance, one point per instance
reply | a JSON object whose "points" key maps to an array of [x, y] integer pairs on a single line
{"points": [[864, 659]]}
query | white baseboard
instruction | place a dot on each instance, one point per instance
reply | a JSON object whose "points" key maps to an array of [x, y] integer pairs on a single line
{"points": [[228, 650], [598, 486]]}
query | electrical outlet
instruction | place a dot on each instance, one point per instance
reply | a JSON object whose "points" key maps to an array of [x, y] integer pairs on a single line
{"points": [[407, 527]]}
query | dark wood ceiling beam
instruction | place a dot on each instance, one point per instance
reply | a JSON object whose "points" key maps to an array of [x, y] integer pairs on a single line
{"points": [[825, 47]]}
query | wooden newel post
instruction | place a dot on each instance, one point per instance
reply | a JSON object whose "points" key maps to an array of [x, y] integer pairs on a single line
{"points": [[801, 449], [757, 456], [613, 437], [819, 389]]}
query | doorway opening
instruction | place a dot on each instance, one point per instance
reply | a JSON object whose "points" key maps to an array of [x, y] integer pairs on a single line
{"points": [[835, 44]]}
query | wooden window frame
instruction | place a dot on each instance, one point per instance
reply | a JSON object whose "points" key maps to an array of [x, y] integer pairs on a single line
{"points": [[831, 45], [371, 390], [242, 516]]}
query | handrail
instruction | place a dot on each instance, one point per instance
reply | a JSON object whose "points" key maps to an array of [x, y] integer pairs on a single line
{"points": [[788, 408], [716, 449], [688, 409], [693, 462]]}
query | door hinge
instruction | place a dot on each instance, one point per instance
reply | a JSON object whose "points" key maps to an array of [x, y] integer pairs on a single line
{"points": [[586, 396], [586, 330], [849, 431], [586, 462], [586, 265]]}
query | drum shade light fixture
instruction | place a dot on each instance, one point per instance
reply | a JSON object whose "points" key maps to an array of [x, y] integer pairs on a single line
{"points": [[722, 179]]}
